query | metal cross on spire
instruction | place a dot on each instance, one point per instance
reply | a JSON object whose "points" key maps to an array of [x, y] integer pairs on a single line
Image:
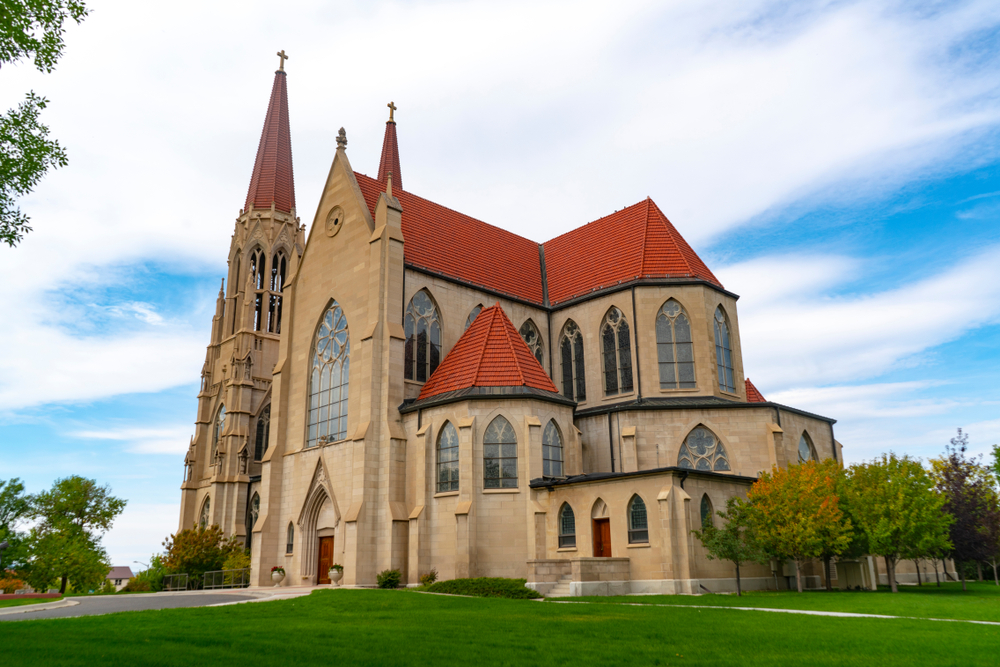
{"points": [[281, 54], [392, 108]]}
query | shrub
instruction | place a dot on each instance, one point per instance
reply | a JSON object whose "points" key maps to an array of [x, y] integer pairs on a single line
{"points": [[238, 560], [107, 588], [198, 550], [9, 584], [389, 578], [486, 587], [137, 585], [150, 579], [429, 578]]}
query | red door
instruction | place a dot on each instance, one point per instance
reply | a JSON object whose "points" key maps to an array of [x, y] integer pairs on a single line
{"points": [[325, 559], [602, 538]]}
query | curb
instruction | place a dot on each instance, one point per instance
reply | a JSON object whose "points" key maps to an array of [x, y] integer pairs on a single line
{"points": [[24, 609]]}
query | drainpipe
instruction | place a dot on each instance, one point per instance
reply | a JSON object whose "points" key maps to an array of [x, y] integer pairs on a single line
{"points": [[611, 443]]}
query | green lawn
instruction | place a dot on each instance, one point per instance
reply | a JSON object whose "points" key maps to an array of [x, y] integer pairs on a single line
{"points": [[980, 603], [349, 627], [13, 602]]}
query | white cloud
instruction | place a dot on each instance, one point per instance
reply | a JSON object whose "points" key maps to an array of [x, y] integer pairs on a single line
{"points": [[889, 400], [143, 311], [139, 532], [162, 440]]}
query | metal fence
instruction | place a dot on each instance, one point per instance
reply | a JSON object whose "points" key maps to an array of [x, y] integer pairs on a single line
{"points": [[227, 579], [175, 582]]}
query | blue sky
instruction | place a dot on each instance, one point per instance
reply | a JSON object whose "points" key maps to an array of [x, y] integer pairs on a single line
{"points": [[835, 163]]}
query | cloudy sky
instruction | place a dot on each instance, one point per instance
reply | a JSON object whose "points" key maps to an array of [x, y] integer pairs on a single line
{"points": [[837, 164]]}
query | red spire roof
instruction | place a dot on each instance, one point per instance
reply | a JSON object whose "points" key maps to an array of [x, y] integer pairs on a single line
{"points": [[635, 242], [390, 157], [489, 354], [753, 396], [272, 170]]}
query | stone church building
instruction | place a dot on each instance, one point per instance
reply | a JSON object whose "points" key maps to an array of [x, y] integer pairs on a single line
{"points": [[404, 386]]}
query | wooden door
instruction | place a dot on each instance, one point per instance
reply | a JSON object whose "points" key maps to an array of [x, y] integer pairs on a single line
{"points": [[325, 559], [602, 538]]}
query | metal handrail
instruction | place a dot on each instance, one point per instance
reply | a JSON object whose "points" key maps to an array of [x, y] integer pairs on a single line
{"points": [[237, 578], [175, 582]]}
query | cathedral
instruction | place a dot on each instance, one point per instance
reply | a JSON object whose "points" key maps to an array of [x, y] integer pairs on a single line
{"points": [[401, 386]]}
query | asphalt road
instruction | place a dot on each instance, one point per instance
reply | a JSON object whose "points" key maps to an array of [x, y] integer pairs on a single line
{"points": [[110, 604]]}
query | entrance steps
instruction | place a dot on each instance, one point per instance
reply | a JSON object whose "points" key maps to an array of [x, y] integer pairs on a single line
{"points": [[561, 589]]}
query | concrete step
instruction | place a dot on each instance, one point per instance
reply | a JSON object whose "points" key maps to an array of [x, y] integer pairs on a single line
{"points": [[560, 590]]}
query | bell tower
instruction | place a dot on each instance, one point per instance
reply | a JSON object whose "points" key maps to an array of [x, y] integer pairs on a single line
{"points": [[222, 465]]}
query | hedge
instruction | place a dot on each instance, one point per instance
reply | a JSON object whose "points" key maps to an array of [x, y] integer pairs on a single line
{"points": [[485, 587]]}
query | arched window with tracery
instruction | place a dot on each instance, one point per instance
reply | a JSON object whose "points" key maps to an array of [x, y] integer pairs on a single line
{"points": [[473, 314], [707, 513], [674, 348], [257, 261], [574, 385], [328, 383], [447, 459], [290, 538], [533, 339], [217, 431], [702, 451], [567, 527], [638, 523], [263, 433], [279, 266], [806, 450], [423, 337], [500, 455], [234, 288], [206, 512], [552, 451], [616, 347], [252, 513], [724, 352]]}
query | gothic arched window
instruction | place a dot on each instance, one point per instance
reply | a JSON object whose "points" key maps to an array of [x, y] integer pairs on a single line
{"points": [[638, 524], [220, 426], [278, 270], [500, 455], [806, 450], [724, 352], [252, 513], [707, 515], [206, 512], [574, 384], [447, 459], [674, 348], [567, 527], [423, 338], [473, 314], [329, 377], [552, 451], [290, 538], [257, 276], [533, 339], [234, 288], [263, 433], [617, 349], [702, 451]]}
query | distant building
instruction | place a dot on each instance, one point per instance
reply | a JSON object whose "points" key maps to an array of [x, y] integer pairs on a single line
{"points": [[119, 576]]}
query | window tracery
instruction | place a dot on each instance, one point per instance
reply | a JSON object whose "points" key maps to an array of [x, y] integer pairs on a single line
{"points": [[447, 459], [701, 450], [328, 384], [423, 338], [220, 427], [263, 433], [617, 349], [500, 455], [205, 512], [552, 451], [806, 450], [533, 339], [638, 525], [567, 527], [257, 260], [674, 347], [707, 515], [724, 352], [278, 270], [574, 384], [473, 314]]}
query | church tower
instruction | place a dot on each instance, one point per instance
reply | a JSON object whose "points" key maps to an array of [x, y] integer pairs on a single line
{"points": [[222, 465]]}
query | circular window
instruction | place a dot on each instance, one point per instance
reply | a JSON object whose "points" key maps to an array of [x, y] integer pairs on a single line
{"points": [[334, 221]]}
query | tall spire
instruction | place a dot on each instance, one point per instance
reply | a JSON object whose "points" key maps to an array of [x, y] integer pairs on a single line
{"points": [[272, 170], [390, 153]]}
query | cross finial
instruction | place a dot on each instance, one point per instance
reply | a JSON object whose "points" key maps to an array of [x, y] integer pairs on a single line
{"points": [[281, 54], [392, 108]]}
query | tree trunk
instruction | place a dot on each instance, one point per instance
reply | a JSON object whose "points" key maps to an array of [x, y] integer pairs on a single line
{"points": [[62, 587], [916, 562], [798, 575], [826, 572], [961, 572], [936, 575], [995, 580], [739, 589], [979, 570], [890, 571]]}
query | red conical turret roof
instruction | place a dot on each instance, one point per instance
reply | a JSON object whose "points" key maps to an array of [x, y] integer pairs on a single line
{"points": [[272, 170], [489, 354], [753, 396], [390, 154]]}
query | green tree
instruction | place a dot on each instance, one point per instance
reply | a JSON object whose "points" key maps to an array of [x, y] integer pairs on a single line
{"points": [[198, 550], [66, 542], [794, 513], [15, 507], [893, 502], [735, 541], [29, 30]]}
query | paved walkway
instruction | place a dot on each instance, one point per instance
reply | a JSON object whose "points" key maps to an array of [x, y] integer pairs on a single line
{"points": [[110, 604]]}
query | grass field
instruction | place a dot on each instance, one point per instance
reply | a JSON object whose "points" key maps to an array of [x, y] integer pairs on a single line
{"points": [[406, 628], [18, 603], [980, 603]]}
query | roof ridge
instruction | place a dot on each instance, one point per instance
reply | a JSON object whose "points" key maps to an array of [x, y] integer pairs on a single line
{"points": [[486, 343], [645, 237]]}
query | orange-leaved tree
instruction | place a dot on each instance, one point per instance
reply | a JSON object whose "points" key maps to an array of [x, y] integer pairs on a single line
{"points": [[795, 515]]}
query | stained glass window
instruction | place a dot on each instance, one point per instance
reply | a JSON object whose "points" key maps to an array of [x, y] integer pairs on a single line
{"points": [[552, 451], [472, 316], [574, 384], [806, 450], [263, 433], [567, 527], [220, 427], [723, 352], [500, 455], [423, 338], [206, 510], [702, 451], [674, 348], [707, 515], [617, 349], [447, 459], [533, 339], [328, 384], [638, 526]]}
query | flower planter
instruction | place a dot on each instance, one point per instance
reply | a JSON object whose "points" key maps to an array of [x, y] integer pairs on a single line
{"points": [[277, 578], [335, 576]]}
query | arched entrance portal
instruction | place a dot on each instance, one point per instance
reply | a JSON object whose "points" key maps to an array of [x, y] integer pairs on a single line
{"points": [[319, 531], [602, 529]]}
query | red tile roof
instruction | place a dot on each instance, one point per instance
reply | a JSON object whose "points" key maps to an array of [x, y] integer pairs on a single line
{"points": [[753, 396], [390, 158], [272, 170], [444, 241], [635, 242], [489, 354]]}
